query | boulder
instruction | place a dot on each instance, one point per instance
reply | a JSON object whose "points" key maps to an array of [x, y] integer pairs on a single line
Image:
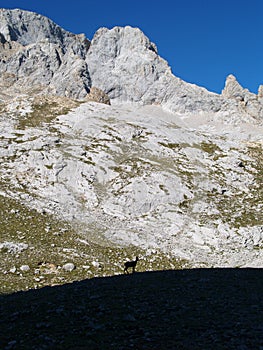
{"points": [[69, 267], [24, 268], [97, 95]]}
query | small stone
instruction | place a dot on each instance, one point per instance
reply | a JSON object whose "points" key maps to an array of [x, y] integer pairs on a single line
{"points": [[24, 268], [95, 264], [69, 267], [13, 270], [86, 267]]}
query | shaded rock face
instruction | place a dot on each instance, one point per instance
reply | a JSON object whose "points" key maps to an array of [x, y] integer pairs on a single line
{"points": [[37, 53], [97, 95]]}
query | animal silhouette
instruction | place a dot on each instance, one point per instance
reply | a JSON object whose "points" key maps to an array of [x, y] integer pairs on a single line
{"points": [[131, 264]]}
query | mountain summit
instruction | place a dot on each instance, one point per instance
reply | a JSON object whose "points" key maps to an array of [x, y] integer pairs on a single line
{"points": [[122, 62], [38, 54]]}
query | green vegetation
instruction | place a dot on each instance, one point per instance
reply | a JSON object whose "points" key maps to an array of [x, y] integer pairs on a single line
{"points": [[209, 147], [237, 207], [46, 109], [170, 145], [251, 203]]}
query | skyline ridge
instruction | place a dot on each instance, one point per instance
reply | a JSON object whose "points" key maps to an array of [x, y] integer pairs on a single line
{"points": [[203, 42]]}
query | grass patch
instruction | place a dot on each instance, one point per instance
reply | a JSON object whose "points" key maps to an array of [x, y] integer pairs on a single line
{"points": [[51, 243], [209, 147], [45, 109], [170, 145]]}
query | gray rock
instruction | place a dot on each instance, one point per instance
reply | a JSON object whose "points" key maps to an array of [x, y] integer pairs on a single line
{"points": [[131, 70], [247, 102], [97, 95], [40, 54], [121, 62], [69, 267], [233, 89], [13, 247], [24, 268]]}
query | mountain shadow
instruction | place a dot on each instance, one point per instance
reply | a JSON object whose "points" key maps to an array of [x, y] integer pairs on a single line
{"points": [[183, 309]]}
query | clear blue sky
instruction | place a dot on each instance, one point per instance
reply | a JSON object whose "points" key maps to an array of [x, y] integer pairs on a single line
{"points": [[202, 40]]}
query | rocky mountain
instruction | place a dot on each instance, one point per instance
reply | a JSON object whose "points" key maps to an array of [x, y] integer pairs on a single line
{"points": [[162, 167], [122, 62], [36, 53]]}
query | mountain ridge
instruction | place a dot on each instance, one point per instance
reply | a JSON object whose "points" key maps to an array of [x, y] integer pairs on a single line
{"points": [[121, 61]]}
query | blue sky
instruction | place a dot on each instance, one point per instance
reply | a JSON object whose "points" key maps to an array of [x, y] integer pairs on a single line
{"points": [[202, 40]]}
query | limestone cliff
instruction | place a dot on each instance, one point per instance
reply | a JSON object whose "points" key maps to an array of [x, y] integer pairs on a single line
{"points": [[248, 102], [37, 54]]}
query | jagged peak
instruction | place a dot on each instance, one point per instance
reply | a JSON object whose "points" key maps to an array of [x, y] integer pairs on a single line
{"points": [[233, 89], [28, 27], [125, 35], [121, 61]]}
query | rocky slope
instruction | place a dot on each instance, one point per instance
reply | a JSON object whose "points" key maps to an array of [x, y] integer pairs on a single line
{"points": [[169, 170]]}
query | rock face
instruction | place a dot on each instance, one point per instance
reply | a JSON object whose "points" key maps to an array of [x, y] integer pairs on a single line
{"points": [[37, 53], [122, 62], [248, 102], [125, 64]]}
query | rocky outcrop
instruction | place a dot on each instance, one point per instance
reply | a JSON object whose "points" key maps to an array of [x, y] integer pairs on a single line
{"points": [[97, 95], [234, 90], [37, 53], [248, 102], [125, 64]]}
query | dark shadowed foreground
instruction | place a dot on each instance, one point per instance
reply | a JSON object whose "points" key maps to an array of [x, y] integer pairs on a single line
{"points": [[187, 309]]}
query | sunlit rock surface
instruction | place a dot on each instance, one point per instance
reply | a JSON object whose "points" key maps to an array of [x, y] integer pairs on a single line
{"points": [[167, 166]]}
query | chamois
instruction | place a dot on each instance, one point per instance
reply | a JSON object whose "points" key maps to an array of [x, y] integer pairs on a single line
{"points": [[130, 264]]}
